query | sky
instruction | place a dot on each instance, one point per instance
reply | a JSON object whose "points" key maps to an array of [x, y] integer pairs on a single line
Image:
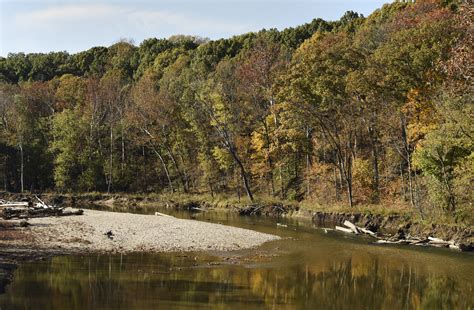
{"points": [[73, 26]]}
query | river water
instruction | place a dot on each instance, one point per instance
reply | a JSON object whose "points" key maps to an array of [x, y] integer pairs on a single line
{"points": [[307, 269]]}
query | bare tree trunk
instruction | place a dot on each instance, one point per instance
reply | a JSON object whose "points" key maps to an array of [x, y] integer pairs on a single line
{"points": [[408, 158], [402, 176], [123, 151], [282, 185], [270, 176], [308, 161], [164, 167], [111, 159], [269, 160], [243, 174], [417, 197], [348, 177], [375, 160], [176, 166], [22, 165], [210, 187], [449, 188], [186, 177], [346, 172], [144, 173]]}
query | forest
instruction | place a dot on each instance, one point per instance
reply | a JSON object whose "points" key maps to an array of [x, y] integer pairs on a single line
{"points": [[372, 110]]}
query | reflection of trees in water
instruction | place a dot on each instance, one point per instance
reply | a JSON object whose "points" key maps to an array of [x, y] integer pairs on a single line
{"points": [[147, 281]]}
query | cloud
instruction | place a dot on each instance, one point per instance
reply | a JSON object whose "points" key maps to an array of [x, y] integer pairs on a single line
{"points": [[184, 23], [124, 16], [69, 12]]}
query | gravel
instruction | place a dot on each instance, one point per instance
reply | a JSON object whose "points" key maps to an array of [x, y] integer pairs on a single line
{"points": [[136, 233]]}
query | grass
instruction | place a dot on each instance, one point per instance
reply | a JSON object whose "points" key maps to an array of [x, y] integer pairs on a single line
{"points": [[223, 200]]}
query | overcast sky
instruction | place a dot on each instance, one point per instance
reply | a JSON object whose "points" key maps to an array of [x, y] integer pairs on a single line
{"points": [[47, 25]]}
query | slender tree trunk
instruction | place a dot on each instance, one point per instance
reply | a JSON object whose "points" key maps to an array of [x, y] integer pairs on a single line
{"points": [[447, 184], [341, 175], [417, 198], [346, 173], [176, 166], [22, 165], [210, 187], [375, 162], [270, 176], [269, 159], [308, 161], [109, 187], [144, 175], [402, 177], [282, 185], [164, 167], [243, 174], [348, 177], [185, 174], [308, 172], [349, 193], [408, 158], [123, 151]]}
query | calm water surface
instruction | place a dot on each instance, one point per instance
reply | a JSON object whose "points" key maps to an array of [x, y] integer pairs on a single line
{"points": [[308, 269]]}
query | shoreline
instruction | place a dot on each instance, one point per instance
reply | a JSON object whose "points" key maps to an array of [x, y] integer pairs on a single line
{"points": [[391, 225]]}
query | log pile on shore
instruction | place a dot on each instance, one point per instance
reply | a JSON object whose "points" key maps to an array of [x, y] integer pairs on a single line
{"points": [[27, 209], [399, 238]]}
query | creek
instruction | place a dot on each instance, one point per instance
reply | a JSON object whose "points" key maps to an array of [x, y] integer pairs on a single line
{"points": [[307, 269]]}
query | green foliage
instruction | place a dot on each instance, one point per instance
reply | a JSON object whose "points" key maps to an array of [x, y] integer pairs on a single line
{"points": [[69, 137], [445, 154], [361, 110]]}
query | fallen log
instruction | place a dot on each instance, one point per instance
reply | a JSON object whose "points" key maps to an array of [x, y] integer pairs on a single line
{"points": [[9, 213], [162, 214], [14, 204], [366, 231], [198, 209], [455, 247], [351, 226], [434, 240], [343, 229]]}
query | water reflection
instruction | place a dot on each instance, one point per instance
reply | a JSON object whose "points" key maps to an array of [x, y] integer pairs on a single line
{"points": [[168, 280], [307, 270]]}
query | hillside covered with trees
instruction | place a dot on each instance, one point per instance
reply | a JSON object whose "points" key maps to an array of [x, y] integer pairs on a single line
{"points": [[363, 110]]}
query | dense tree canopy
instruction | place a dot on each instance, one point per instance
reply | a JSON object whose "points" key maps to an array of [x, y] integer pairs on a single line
{"points": [[373, 109]]}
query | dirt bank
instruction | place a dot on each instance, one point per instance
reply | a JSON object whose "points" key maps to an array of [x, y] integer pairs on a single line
{"points": [[398, 225]]}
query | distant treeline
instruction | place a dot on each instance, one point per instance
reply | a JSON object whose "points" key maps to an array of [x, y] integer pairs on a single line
{"points": [[360, 110]]}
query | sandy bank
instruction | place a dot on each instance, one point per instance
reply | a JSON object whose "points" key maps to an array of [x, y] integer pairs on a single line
{"points": [[133, 233]]}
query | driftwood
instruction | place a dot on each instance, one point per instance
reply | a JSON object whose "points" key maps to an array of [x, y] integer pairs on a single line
{"points": [[14, 204], [343, 229], [397, 239], [9, 213], [198, 209], [352, 227], [25, 210], [367, 231], [162, 214], [430, 241]]}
